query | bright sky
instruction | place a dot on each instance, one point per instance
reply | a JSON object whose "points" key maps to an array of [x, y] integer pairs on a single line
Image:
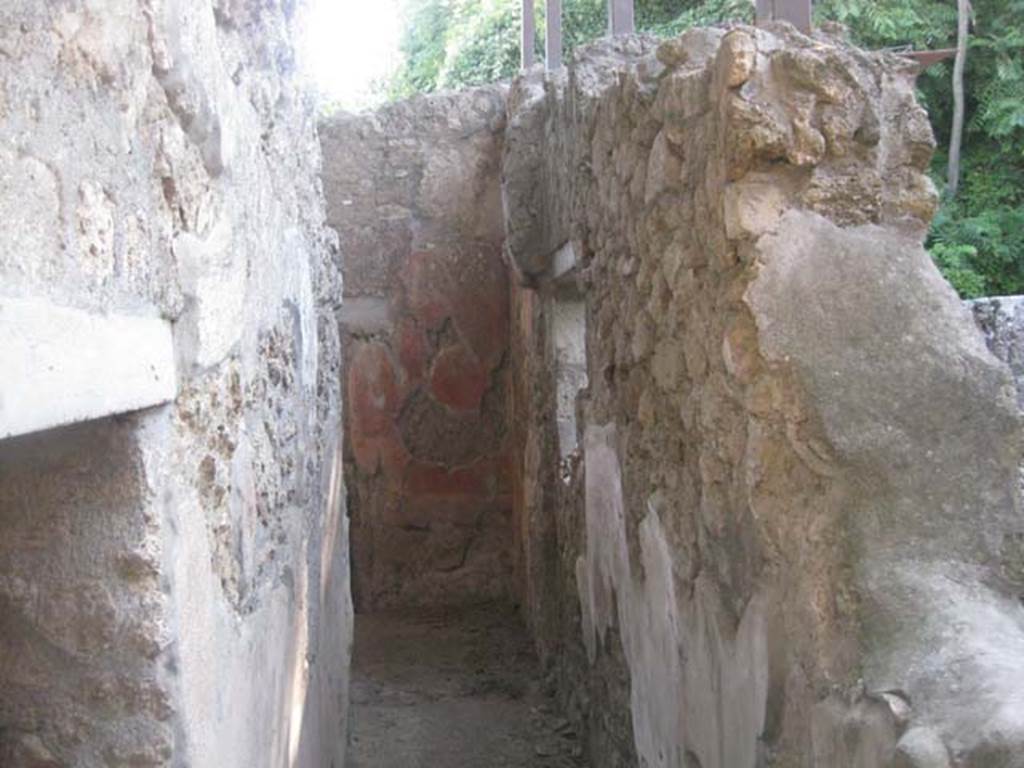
{"points": [[349, 45]]}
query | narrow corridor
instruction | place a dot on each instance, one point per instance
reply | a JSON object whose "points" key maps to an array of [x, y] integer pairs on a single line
{"points": [[452, 688]]}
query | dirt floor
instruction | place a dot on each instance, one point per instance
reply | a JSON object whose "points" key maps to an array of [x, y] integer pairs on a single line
{"points": [[452, 689]]}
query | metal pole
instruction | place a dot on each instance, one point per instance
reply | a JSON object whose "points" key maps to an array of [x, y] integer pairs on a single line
{"points": [[796, 12], [765, 11], [529, 35], [620, 17], [553, 47]]}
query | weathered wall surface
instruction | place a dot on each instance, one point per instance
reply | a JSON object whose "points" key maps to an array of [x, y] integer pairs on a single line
{"points": [[414, 192], [792, 535], [1001, 320], [173, 583]]}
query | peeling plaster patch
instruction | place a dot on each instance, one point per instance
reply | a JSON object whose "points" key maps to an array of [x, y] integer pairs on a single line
{"points": [[694, 690], [647, 614], [606, 565], [305, 321]]}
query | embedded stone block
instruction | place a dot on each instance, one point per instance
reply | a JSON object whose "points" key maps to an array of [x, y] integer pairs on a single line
{"points": [[63, 365]]}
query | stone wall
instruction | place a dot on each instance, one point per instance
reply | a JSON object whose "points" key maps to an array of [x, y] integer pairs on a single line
{"points": [[413, 191], [791, 535], [1001, 320], [173, 581]]}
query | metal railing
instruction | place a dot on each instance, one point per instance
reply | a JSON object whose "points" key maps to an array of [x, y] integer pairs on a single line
{"points": [[620, 22]]}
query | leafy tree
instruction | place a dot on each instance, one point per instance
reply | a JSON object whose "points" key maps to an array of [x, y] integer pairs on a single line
{"points": [[957, 133], [888, 23], [483, 43], [999, 74], [977, 238], [985, 221]]}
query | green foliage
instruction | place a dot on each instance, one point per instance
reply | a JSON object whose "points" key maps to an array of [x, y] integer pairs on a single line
{"points": [[980, 253], [483, 43], [885, 23], [954, 261], [582, 21], [998, 69], [702, 14], [977, 240], [423, 44], [456, 43], [1000, 110]]}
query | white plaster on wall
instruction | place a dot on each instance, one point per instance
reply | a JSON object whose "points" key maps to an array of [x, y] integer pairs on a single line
{"points": [[696, 688], [647, 613], [569, 336]]}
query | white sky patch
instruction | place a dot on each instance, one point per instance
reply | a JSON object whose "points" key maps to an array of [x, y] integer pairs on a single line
{"points": [[351, 45]]}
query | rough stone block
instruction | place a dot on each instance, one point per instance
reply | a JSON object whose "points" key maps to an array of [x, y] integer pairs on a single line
{"points": [[752, 208]]}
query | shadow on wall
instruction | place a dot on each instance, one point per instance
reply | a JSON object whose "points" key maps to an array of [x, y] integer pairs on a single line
{"points": [[317, 704]]}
